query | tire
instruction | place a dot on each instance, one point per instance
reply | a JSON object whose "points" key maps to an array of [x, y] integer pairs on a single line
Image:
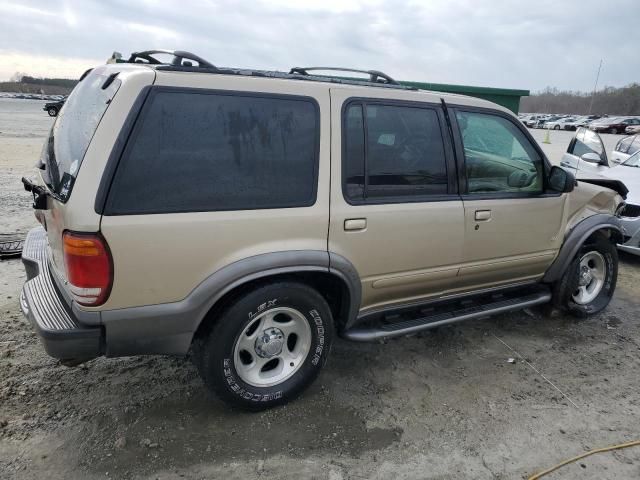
{"points": [[267, 346], [556, 127], [614, 131], [571, 294], [52, 112]]}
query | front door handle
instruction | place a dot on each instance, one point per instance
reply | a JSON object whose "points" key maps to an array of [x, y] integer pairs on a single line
{"points": [[483, 215], [355, 224]]}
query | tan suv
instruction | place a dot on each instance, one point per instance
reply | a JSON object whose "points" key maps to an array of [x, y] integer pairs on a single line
{"points": [[248, 217]]}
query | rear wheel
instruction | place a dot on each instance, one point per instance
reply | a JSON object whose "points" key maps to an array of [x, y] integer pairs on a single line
{"points": [[556, 127], [267, 346], [588, 284], [52, 112], [614, 131]]}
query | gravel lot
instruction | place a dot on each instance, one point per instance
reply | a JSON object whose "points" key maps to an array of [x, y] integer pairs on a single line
{"points": [[446, 404]]}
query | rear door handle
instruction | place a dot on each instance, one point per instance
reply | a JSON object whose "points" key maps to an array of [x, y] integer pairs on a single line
{"points": [[355, 224], [483, 215]]}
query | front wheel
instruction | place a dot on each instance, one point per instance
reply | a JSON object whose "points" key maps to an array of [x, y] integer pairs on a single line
{"points": [[267, 346], [588, 284], [52, 112]]}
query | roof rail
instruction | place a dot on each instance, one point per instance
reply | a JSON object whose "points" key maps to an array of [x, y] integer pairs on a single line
{"points": [[375, 76], [180, 58]]}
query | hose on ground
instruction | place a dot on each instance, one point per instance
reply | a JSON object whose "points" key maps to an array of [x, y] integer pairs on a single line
{"points": [[586, 454]]}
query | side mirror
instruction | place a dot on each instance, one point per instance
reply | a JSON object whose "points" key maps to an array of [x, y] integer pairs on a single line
{"points": [[591, 157], [561, 180]]}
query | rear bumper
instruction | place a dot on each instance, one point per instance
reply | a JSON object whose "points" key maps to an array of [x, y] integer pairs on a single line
{"points": [[62, 335]]}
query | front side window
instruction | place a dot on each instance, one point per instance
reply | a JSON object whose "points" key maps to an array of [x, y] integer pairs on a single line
{"points": [[498, 156], [393, 152], [196, 152]]}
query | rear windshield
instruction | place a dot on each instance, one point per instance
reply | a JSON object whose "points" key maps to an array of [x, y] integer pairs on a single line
{"points": [[73, 129]]}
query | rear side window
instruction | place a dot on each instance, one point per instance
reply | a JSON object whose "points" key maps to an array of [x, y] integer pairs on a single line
{"points": [[209, 151], [392, 152]]}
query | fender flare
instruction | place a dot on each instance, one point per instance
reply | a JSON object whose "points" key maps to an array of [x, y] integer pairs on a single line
{"points": [[169, 328], [576, 238]]}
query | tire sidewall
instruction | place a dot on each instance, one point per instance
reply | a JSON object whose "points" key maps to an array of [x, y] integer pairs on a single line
{"points": [[219, 355], [52, 112]]}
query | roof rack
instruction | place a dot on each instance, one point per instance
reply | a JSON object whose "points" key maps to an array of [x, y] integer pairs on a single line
{"points": [[375, 76], [180, 58], [184, 62]]}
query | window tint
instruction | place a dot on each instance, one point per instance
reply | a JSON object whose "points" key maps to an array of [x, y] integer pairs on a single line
{"points": [[498, 157], [402, 153], [207, 152], [354, 152]]}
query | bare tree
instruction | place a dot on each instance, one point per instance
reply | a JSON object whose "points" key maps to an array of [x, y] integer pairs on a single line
{"points": [[608, 101]]}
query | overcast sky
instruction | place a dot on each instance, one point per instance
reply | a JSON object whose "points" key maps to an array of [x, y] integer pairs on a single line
{"points": [[498, 43]]}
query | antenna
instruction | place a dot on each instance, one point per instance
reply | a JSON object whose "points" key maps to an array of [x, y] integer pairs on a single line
{"points": [[594, 88]]}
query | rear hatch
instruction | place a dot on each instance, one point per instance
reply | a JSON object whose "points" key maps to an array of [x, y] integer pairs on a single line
{"points": [[63, 154]]}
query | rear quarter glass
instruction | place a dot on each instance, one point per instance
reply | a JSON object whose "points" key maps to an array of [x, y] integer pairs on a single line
{"points": [[73, 130]]}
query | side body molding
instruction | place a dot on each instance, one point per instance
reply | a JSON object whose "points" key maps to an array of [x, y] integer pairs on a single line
{"points": [[168, 328], [576, 237]]}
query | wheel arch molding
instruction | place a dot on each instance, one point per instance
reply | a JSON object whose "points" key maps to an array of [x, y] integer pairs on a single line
{"points": [[576, 238], [169, 328]]}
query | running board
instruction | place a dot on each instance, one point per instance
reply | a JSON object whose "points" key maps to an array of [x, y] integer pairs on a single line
{"points": [[416, 319]]}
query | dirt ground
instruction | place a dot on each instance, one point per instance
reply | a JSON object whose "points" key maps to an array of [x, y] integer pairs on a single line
{"points": [[446, 404]]}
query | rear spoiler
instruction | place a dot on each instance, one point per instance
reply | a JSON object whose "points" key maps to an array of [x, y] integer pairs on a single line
{"points": [[615, 185]]}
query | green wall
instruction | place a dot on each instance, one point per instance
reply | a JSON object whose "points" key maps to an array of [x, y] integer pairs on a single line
{"points": [[508, 98]]}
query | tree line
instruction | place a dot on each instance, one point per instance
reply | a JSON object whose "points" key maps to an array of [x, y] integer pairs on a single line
{"points": [[608, 101]]}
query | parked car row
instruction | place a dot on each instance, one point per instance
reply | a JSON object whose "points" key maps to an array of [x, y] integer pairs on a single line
{"points": [[606, 124]]}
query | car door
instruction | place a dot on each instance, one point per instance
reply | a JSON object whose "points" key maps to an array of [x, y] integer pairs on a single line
{"points": [[625, 148], [584, 142], [395, 210], [513, 225]]}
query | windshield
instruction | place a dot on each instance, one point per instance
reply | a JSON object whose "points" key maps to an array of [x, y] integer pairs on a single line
{"points": [[73, 129], [633, 160]]}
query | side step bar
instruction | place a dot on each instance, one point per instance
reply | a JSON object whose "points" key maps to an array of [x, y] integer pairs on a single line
{"points": [[406, 321]]}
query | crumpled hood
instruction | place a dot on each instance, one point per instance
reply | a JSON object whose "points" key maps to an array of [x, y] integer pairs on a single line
{"points": [[630, 176]]}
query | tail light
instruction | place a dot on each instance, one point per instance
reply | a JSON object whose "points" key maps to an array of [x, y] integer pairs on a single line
{"points": [[89, 267]]}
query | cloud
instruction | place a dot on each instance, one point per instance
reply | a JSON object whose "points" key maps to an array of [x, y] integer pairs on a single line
{"points": [[496, 43]]}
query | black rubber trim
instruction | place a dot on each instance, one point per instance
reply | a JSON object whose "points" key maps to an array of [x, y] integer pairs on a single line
{"points": [[576, 238], [452, 184]]}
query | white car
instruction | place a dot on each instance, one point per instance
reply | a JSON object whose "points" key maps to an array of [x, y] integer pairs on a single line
{"points": [[586, 158], [625, 148], [560, 124]]}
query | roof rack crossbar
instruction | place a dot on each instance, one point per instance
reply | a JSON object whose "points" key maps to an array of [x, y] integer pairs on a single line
{"points": [[178, 57], [375, 76]]}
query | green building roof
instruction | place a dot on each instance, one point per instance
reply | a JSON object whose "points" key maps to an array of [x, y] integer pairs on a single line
{"points": [[507, 97]]}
